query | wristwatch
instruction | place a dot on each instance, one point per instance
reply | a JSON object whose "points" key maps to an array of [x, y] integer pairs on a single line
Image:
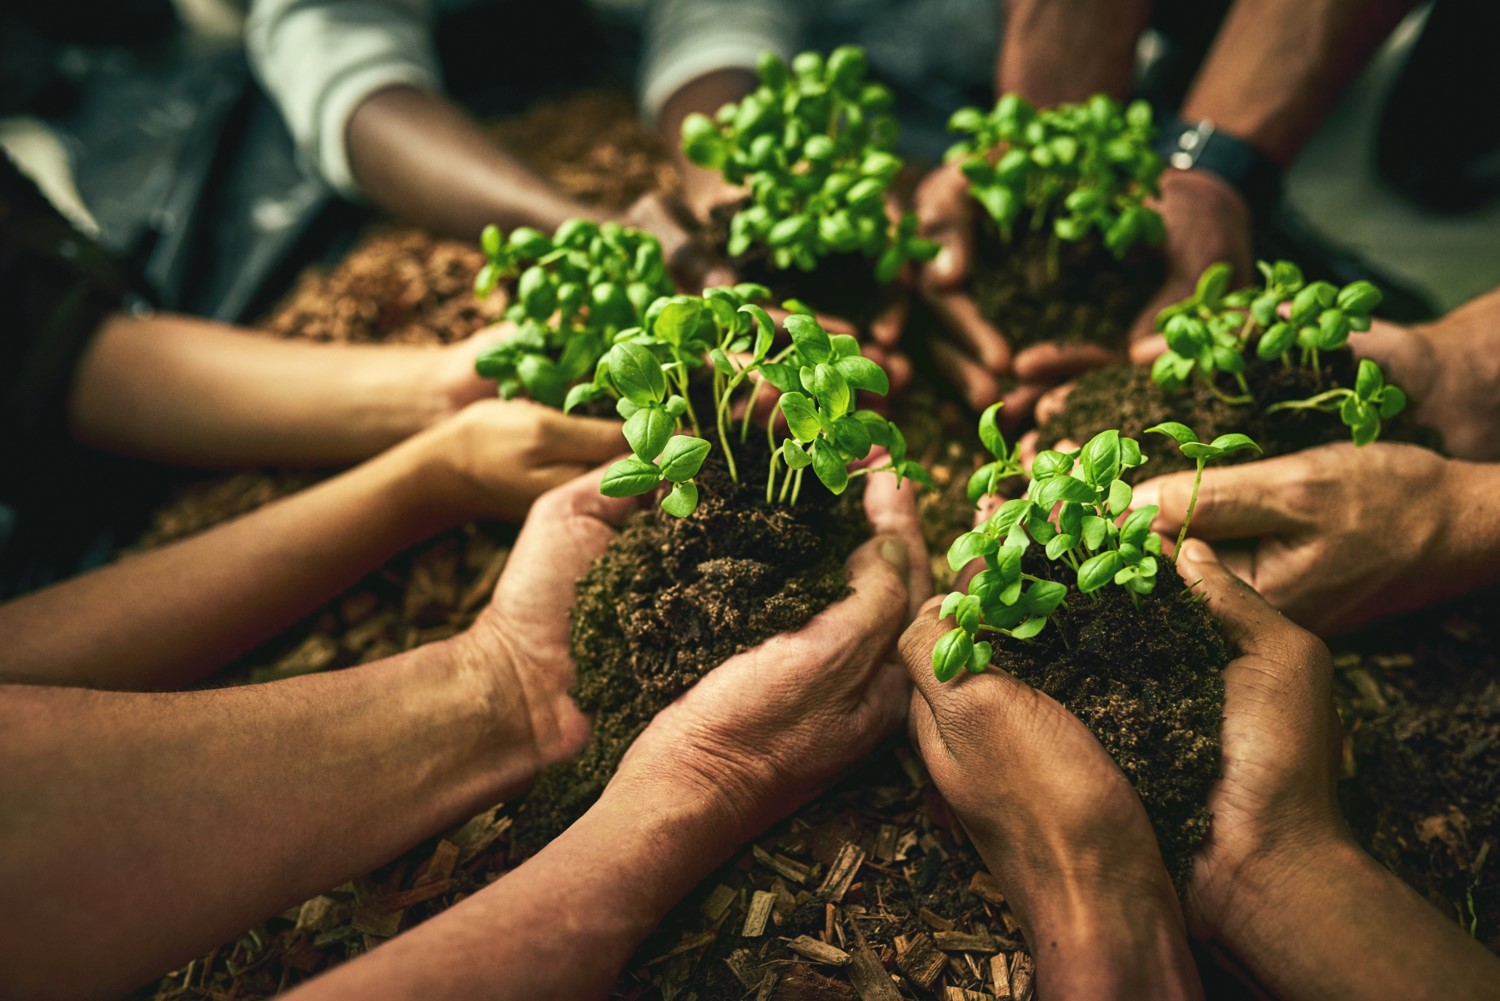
{"points": [[1201, 146]]}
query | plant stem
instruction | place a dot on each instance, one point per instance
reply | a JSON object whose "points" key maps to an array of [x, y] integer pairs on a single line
{"points": [[1233, 401], [749, 410], [1318, 402], [797, 488], [1187, 519]]}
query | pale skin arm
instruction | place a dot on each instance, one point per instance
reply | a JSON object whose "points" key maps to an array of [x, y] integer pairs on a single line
{"points": [[194, 392], [171, 616]]}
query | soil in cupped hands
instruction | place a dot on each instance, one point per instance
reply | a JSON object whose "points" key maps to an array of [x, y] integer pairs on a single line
{"points": [[843, 285], [1126, 397], [1090, 296], [671, 599], [1145, 675]]}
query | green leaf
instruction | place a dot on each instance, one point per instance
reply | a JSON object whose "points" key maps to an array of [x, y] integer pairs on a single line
{"points": [[1094, 530], [793, 455], [1029, 628], [969, 546], [637, 374], [1058, 545], [766, 330], [647, 431], [851, 437], [1392, 402], [1043, 597], [1230, 443], [1359, 297], [542, 380], [579, 395], [980, 658], [630, 478], [682, 501], [801, 416], [1369, 379], [812, 343], [1119, 496], [989, 431], [1138, 524], [1061, 488], [490, 241], [784, 377], [1212, 285], [1275, 342], [1099, 570], [1101, 457], [830, 466], [682, 457], [1050, 463], [862, 373], [676, 322], [829, 388], [951, 654], [1196, 450], [1180, 433]]}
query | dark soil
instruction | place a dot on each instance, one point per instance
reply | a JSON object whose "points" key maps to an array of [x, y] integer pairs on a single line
{"points": [[1125, 397], [671, 599], [843, 285], [1091, 297], [1145, 676]]}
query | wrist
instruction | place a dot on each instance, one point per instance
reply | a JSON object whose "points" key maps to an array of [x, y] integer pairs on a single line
{"points": [[1216, 196]]}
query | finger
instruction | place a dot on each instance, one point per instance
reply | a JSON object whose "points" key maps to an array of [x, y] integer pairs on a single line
{"points": [[945, 216], [1053, 402], [888, 324], [1052, 361], [1237, 502], [979, 387], [916, 652], [585, 440], [1146, 350], [1027, 446], [892, 510], [1145, 322], [869, 620], [1020, 401], [1250, 623], [960, 314]]}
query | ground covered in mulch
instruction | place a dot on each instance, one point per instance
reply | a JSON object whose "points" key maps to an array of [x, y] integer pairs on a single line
{"points": [[873, 880]]}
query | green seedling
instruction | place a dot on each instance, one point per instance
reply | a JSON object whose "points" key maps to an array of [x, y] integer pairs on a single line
{"points": [[647, 370], [1287, 319], [812, 146], [1076, 168], [1201, 453], [574, 291], [1362, 409], [1073, 510]]}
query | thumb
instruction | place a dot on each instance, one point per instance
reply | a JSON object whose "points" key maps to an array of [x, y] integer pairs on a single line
{"points": [[1250, 623]]}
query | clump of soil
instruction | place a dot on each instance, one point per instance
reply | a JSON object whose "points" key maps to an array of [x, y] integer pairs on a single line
{"points": [[843, 285], [1145, 676], [1090, 296], [1431, 791], [671, 599]]}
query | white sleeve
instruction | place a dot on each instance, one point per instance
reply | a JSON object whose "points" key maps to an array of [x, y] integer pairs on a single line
{"points": [[686, 39], [320, 59]]}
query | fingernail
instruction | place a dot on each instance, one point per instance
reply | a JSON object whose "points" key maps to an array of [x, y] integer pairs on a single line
{"points": [[894, 552], [1198, 551]]}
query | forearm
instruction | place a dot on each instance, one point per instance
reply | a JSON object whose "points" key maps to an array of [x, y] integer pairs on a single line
{"points": [[420, 157], [170, 616], [702, 189], [194, 392], [1278, 66], [139, 830], [563, 924], [1057, 51], [1287, 920]]}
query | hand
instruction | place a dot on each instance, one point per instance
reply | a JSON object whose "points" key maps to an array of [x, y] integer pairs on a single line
{"points": [[1278, 796], [1058, 825], [694, 265], [454, 376], [1207, 221], [978, 355], [520, 642], [1451, 372], [1340, 535], [494, 457], [769, 728]]}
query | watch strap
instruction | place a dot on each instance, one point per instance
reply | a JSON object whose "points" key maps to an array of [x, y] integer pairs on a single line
{"points": [[1201, 146]]}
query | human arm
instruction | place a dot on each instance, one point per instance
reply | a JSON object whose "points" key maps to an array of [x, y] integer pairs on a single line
{"points": [[1280, 885], [1339, 535], [173, 615], [1059, 827], [1274, 72], [284, 789], [750, 741], [193, 392]]}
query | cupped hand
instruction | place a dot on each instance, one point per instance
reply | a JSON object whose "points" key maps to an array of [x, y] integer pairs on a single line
{"points": [[520, 642], [1450, 371], [1057, 824], [1207, 221], [494, 457], [769, 728], [1335, 536], [1277, 800]]}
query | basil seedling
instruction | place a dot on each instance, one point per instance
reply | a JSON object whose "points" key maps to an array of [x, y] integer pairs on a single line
{"points": [[813, 146], [1076, 168], [573, 292], [1201, 453]]}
